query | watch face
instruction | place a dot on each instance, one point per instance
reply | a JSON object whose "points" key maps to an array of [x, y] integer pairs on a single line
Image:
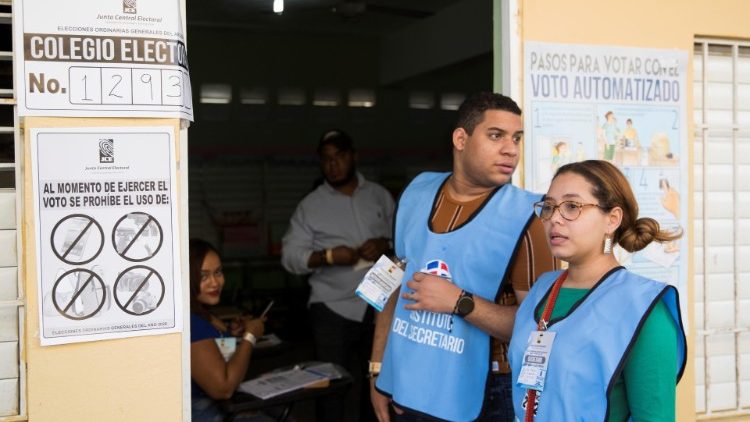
{"points": [[465, 305]]}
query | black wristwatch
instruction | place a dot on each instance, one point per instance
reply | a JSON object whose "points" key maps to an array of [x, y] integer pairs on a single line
{"points": [[464, 304]]}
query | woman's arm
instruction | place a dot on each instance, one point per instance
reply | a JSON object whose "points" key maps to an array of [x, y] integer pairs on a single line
{"points": [[219, 379], [651, 371]]}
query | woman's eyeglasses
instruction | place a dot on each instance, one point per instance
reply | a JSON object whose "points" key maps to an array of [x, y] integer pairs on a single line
{"points": [[569, 210]]}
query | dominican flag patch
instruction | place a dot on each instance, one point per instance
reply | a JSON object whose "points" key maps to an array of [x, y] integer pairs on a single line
{"points": [[437, 267]]}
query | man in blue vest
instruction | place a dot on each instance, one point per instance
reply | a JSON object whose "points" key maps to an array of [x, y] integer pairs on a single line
{"points": [[459, 232]]}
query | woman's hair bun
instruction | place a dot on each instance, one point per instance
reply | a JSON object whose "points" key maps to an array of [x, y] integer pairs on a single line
{"points": [[639, 235]]}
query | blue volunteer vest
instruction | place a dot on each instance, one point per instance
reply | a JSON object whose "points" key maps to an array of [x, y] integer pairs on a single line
{"points": [[430, 367], [591, 345]]}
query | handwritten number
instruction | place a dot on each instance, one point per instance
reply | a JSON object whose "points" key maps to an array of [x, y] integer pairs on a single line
{"points": [[176, 84], [85, 89], [115, 86], [146, 79]]}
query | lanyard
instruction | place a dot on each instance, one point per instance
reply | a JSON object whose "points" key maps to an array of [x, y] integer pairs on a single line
{"points": [[543, 324]]}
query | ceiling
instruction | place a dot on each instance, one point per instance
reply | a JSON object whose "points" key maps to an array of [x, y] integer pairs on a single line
{"points": [[366, 17]]}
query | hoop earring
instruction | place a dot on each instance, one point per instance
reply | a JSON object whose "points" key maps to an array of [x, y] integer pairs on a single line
{"points": [[607, 244]]}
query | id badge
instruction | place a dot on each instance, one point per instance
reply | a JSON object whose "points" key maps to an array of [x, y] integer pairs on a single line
{"points": [[535, 360], [227, 346], [380, 282]]}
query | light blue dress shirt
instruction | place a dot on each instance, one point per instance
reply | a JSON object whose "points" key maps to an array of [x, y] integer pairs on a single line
{"points": [[327, 218]]}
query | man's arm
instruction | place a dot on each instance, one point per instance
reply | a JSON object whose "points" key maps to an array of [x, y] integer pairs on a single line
{"points": [[297, 245], [436, 294], [372, 249], [383, 321], [298, 255]]}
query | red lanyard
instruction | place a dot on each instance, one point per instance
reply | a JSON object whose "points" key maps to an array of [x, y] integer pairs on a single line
{"points": [[542, 326]]}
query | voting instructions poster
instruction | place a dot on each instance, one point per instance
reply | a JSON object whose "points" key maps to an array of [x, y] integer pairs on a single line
{"points": [[101, 58], [624, 105], [107, 237]]}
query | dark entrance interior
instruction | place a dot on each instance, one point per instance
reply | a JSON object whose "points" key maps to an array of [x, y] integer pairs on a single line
{"points": [[391, 73]]}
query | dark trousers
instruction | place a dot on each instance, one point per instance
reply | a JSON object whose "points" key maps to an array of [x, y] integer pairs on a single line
{"points": [[347, 343], [498, 400], [497, 406]]}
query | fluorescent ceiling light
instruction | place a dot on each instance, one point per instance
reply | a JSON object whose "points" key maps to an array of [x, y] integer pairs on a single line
{"points": [[451, 101], [361, 98], [216, 94], [421, 100], [254, 96], [326, 97], [292, 96]]}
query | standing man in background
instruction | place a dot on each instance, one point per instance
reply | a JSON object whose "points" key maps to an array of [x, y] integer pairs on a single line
{"points": [[335, 234], [433, 338]]}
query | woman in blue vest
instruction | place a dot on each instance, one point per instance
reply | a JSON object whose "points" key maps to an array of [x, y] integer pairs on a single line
{"points": [[218, 359], [596, 342]]}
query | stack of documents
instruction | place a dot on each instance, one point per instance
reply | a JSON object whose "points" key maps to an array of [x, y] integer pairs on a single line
{"points": [[276, 383]]}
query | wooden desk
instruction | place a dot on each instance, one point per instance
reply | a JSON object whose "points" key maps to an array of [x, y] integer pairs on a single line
{"points": [[243, 402]]}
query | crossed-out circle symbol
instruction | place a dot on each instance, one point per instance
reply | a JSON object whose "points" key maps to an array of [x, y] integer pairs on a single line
{"points": [[85, 297], [141, 294], [70, 237], [137, 236]]}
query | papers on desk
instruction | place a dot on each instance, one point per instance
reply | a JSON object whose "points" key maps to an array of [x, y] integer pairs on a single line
{"points": [[276, 383], [328, 370]]}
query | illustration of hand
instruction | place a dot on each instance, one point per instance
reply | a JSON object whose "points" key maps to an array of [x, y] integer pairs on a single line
{"points": [[670, 200]]}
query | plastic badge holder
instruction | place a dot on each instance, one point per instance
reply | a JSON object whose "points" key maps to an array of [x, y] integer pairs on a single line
{"points": [[381, 281]]}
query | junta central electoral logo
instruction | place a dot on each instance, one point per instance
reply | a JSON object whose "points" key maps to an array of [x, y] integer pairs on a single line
{"points": [[128, 6], [107, 151]]}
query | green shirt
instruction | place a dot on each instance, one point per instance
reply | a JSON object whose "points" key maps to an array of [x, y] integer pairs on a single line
{"points": [[646, 387]]}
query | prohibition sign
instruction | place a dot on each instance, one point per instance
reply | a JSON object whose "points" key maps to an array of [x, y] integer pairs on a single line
{"points": [[81, 298], [137, 291], [77, 239], [137, 236]]}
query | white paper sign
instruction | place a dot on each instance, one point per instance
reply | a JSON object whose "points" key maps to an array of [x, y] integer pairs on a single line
{"points": [[624, 105], [101, 58], [108, 260]]}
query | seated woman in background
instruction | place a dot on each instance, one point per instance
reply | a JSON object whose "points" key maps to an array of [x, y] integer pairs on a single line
{"points": [[610, 341], [219, 360]]}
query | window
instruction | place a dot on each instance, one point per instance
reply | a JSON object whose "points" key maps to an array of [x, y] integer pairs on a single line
{"points": [[722, 226], [12, 375]]}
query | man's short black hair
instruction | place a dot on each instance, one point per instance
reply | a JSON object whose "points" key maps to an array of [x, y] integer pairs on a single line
{"points": [[471, 111], [336, 137]]}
